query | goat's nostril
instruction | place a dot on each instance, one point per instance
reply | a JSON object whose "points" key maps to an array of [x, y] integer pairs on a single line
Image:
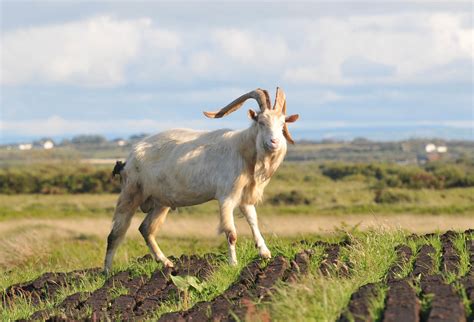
{"points": [[274, 141]]}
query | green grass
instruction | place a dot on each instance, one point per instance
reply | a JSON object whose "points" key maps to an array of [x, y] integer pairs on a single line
{"points": [[324, 298], [332, 198], [313, 297], [296, 188]]}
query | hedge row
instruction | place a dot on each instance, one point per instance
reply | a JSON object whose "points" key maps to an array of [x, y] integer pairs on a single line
{"points": [[57, 180], [433, 176]]}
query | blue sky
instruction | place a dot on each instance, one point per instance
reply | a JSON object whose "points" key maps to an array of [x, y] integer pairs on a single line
{"points": [[383, 70]]}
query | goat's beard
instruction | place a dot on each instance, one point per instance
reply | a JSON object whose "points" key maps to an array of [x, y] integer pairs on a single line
{"points": [[267, 162]]}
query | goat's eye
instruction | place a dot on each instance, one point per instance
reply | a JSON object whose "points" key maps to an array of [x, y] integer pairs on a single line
{"points": [[261, 123]]}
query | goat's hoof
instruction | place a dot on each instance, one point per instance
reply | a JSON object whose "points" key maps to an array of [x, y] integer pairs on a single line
{"points": [[265, 253], [232, 262], [169, 264]]}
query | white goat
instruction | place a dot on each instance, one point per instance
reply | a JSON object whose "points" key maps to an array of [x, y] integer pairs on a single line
{"points": [[180, 167]]}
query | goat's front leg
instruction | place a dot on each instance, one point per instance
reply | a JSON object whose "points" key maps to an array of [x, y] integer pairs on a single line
{"points": [[251, 214], [228, 227]]}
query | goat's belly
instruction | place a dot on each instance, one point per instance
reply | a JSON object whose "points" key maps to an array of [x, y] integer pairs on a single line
{"points": [[182, 198], [182, 201]]}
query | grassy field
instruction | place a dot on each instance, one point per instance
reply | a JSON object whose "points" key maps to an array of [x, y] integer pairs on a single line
{"points": [[366, 256], [365, 210]]}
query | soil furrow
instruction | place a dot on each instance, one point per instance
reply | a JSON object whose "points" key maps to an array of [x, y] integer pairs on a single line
{"points": [[424, 262], [299, 266], [404, 255], [401, 302], [468, 280], [359, 305], [236, 302], [358, 309], [44, 287], [331, 264], [142, 296], [160, 287], [446, 304], [450, 259]]}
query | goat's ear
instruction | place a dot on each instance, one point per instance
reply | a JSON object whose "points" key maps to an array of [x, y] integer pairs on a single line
{"points": [[292, 118], [252, 115]]}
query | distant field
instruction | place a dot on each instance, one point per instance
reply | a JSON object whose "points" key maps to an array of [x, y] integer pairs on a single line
{"points": [[304, 188]]}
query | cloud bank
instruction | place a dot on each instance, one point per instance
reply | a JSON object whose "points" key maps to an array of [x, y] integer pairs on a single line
{"points": [[108, 51]]}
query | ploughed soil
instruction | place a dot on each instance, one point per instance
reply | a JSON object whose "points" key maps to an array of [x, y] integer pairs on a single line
{"points": [[414, 276]]}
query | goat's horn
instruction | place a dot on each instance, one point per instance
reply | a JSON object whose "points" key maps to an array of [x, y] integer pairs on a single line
{"points": [[280, 105], [287, 135], [259, 95], [280, 101]]}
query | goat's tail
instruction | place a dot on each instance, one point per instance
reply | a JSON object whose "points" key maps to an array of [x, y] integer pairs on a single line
{"points": [[119, 165]]}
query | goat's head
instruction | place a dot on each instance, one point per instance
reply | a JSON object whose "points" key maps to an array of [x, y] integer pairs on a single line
{"points": [[271, 122]]}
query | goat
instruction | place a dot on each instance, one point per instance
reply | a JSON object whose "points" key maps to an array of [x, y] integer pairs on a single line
{"points": [[182, 167]]}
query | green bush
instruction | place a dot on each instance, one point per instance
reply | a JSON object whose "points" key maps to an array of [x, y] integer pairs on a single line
{"points": [[391, 197], [433, 176], [292, 198], [57, 179]]}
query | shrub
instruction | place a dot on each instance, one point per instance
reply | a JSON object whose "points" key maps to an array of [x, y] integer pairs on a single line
{"points": [[57, 180], [293, 198], [390, 197]]}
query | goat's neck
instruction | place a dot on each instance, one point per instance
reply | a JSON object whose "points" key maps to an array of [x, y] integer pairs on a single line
{"points": [[248, 147], [260, 164]]}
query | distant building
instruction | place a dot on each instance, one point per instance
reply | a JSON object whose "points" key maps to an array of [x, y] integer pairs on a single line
{"points": [[430, 148], [121, 142], [48, 144], [25, 146], [433, 153]]}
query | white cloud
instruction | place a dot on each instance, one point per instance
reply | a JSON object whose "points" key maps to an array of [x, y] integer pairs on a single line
{"points": [[95, 51], [252, 48], [407, 44], [332, 50]]}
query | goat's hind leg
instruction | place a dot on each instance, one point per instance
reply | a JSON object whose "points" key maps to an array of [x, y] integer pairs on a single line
{"points": [[152, 223], [128, 202], [228, 227]]}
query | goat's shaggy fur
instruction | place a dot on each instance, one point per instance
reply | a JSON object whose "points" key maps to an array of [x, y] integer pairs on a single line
{"points": [[182, 167]]}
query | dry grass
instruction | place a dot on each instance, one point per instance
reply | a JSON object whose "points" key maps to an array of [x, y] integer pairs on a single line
{"points": [[25, 238]]}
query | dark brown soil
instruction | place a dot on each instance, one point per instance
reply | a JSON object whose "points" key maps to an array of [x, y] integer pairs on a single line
{"points": [[331, 264], [404, 255], [253, 284], [299, 266], [359, 305], [143, 295], [402, 303], [360, 302], [424, 263], [468, 280], [446, 304], [160, 288], [450, 259], [45, 286]]}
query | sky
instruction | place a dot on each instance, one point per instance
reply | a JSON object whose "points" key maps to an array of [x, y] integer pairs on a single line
{"points": [[382, 70]]}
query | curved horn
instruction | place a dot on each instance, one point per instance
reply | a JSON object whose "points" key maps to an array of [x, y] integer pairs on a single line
{"points": [[280, 101], [287, 135], [259, 95], [280, 105]]}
